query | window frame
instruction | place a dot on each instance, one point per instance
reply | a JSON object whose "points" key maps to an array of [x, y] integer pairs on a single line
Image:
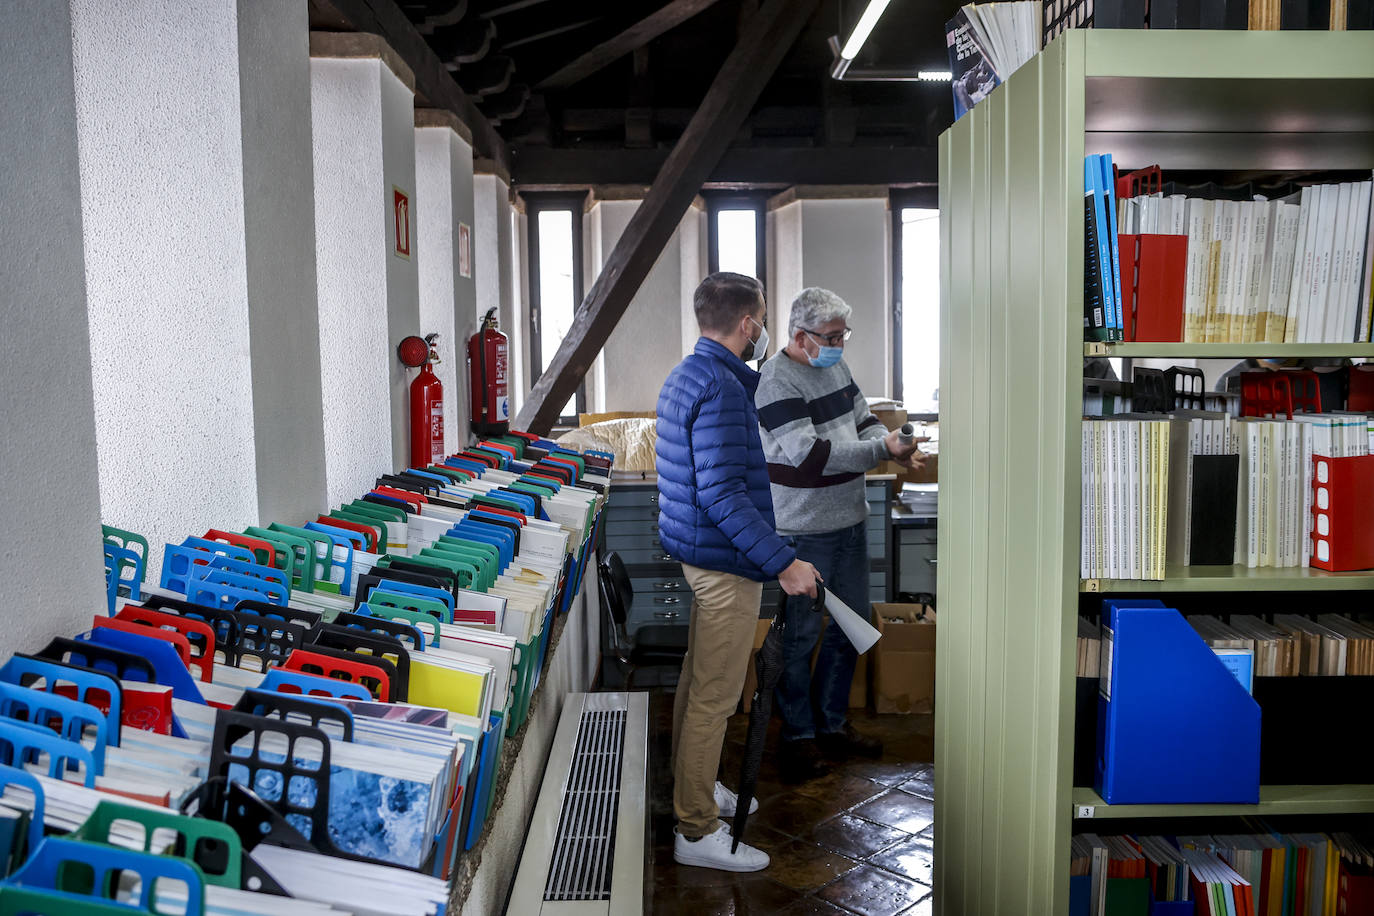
{"points": [[716, 201], [899, 199], [540, 202]]}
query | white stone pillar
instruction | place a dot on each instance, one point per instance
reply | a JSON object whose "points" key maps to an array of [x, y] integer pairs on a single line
{"points": [[498, 268], [162, 195], [363, 135], [448, 289], [279, 221], [49, 492]]}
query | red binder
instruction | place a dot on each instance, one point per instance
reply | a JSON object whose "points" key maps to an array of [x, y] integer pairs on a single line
{"points": [[1342, 494], [1154, 274]]}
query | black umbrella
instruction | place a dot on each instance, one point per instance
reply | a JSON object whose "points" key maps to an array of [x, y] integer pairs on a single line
{"points": [[767, 668]]}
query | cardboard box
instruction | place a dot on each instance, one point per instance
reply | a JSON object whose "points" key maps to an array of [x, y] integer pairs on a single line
{"points": [[904, 659], [858, 688]]}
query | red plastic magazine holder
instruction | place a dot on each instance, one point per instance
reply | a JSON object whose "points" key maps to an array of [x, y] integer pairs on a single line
{"points": [[260, 548], [369, 535], [412, 499], [1342, 492], [199, 635], [1266, 394], [307, 662], [1142, 181]]}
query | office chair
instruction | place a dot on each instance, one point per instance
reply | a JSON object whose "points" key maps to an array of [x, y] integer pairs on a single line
{"points": [[655, 647]]}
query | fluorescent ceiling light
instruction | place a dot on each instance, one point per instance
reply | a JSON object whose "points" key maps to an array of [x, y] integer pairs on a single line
{"points": [[862, 29], [935, 76]]}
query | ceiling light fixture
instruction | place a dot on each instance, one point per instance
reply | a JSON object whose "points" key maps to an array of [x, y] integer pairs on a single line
{"points": [[863, 28], [935, 76]]}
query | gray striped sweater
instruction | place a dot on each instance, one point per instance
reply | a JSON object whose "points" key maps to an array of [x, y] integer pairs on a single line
{"points": [[819, 438]]}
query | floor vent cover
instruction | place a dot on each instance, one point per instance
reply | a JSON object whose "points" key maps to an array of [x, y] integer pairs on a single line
{"points": [[585, 842]]}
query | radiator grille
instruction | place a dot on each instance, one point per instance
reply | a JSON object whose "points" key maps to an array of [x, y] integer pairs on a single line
{"points": [[585, 842]]}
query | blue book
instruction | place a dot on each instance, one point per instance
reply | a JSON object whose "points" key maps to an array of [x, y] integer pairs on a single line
{"points": [[1092, 183], [1241, 663], [1108, 185]]}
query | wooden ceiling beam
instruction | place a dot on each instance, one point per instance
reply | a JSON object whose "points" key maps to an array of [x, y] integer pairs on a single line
{"points": [[770, 34], [635, 37], [432, 80]]}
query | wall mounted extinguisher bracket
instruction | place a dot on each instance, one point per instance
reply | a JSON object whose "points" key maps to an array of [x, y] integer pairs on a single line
{"points": [[487, 372], [426, 400]]}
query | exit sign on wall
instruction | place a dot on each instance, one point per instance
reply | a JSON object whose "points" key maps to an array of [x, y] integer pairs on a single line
{"points": [[400, 207]]}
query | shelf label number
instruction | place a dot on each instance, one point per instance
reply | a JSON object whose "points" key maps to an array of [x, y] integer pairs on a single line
{"points": [[1084, 811]]}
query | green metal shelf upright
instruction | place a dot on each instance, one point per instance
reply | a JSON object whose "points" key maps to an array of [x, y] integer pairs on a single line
{"points": [[1011, 351]]}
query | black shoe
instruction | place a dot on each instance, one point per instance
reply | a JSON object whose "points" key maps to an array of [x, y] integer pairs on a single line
{"points": [[799, 761], [847, 742]]}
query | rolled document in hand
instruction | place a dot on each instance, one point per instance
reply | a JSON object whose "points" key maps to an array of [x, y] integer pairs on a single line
{"points": [[860, 632]]}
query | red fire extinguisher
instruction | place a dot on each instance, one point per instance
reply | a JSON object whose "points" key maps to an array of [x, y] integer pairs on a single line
{"points": [[487, 361], [426, 401]]}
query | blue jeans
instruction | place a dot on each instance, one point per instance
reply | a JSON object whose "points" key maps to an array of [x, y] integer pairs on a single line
{"points": [[809, 702]]}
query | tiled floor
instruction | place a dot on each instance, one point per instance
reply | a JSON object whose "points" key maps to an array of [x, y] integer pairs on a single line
{"points": [[857, 840]]}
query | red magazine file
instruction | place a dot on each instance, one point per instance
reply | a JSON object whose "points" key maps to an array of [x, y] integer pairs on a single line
{"points": [[1154, 275], [1148, 180], [307, 662], [259, 548], [1342, 492], [1266, 394], [1361, 396], [1354, 890], [198, 634]]}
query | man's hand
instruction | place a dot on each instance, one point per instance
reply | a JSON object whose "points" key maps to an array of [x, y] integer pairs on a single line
{"points": [[899, 450], [916, 461], [799, 579]]}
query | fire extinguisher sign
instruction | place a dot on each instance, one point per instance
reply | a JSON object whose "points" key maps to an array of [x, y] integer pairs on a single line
{"points": [[400, 207]]}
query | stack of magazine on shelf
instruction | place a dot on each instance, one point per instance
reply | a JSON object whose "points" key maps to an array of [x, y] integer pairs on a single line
{"points": [[330, 698]]}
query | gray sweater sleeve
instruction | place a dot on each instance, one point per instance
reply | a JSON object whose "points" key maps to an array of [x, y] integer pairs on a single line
{"points": [[798, 440], [869, 426]]}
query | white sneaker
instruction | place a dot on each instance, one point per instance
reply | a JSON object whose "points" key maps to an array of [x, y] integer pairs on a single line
{"points": [[726, 801], [713, 851]]}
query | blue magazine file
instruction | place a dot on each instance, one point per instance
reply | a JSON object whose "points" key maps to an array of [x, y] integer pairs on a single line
{"points": [[1174, 725], [1092, 181]]}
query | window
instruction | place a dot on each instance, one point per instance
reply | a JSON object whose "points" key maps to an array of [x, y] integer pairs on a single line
{"points": [[735, 235], [916, 300], [555, 254]]}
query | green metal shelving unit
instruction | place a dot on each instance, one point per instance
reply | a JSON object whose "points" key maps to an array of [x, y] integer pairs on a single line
{"points": [[1011, 350]]}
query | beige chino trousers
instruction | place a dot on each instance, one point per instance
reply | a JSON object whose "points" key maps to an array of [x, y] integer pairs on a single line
{"points": [[725, 613]]}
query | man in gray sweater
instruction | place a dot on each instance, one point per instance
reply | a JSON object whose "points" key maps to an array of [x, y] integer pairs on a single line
{"points": [[819, 438]]}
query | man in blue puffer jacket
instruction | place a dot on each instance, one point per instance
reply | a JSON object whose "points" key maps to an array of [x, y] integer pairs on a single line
{"points": [[716, 516]]}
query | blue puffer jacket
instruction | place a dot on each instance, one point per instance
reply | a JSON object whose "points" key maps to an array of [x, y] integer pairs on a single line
{"points": [[715, 509]]}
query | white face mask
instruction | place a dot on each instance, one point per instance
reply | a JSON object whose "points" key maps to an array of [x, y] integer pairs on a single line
{"points": [[759, 348]]}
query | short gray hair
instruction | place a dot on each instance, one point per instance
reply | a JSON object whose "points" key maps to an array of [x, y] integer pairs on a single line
{"points": [[814, 307]]}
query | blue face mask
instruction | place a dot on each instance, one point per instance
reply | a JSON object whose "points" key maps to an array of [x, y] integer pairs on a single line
{"points": [[826, 357]]}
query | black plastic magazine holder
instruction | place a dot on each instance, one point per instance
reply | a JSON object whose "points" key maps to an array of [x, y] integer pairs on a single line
{"points": [[269, 640], [247, 789], [447, 577], [389, 501], [124, 666], [290, 707], [368, 581], [307, 619], [412, 484], [222, 621], [399, 629], [380, 649]]}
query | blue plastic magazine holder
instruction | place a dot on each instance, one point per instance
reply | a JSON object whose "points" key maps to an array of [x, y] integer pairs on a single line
{"points": [[14, 776], [101, 867], [312, 685], [439, 480], [24, 742], [167, 665], [269, 576], [68, 718], [490, 534], [341, 572], [26, 671], [355, 540], [319, 712], [218, 588], [419, 591], [464, 464], [1174, 725]]}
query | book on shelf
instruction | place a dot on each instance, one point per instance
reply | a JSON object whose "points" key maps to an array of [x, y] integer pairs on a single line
{"points": [[1293, 268], [1257, 871], [987, 42]]}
